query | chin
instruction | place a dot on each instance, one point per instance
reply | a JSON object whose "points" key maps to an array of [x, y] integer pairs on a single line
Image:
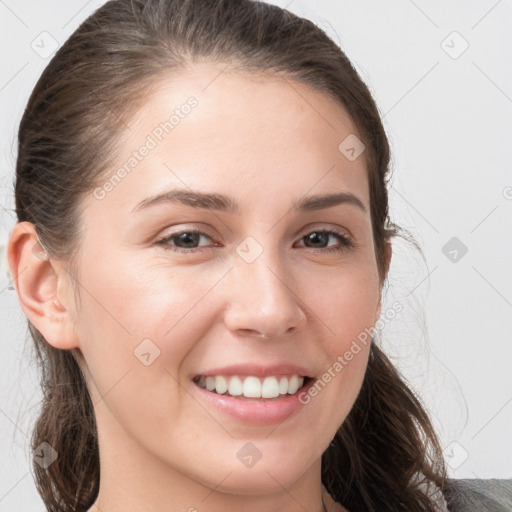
{"points": [[264, 477], [248, 483]]}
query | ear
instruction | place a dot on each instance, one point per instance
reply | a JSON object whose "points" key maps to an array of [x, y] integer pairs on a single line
{"points": [[387, 263], [43, 287]]}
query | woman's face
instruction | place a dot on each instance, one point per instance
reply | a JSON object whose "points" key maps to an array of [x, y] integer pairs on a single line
{"points": [[163, 306]]}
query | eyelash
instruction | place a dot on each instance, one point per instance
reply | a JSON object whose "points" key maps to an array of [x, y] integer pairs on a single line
{"points": [[347, 243]]}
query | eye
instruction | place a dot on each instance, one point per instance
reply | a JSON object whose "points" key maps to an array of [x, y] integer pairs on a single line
{"points": [[322, 236], [186, 241]]}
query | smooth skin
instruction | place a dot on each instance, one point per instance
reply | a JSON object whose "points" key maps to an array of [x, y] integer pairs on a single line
{"points": [[265, 141]]}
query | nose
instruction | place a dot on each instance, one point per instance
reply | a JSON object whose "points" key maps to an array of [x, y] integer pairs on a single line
{"points": [[263, 300]]}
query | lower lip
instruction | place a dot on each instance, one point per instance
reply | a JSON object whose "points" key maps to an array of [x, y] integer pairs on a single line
{"points": [[255, 411]]}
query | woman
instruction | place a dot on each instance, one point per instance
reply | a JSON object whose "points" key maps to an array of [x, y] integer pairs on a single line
{"points": [[201, 246]]}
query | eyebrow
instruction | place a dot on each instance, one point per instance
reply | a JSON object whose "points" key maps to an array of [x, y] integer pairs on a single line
{"points": [[222, 203]]}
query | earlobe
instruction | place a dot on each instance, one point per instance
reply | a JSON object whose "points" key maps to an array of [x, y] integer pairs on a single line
{"points": [[36, 280]]}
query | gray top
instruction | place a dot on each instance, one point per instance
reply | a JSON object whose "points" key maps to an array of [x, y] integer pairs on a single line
{"points": [[479, 495], [460, 495]]}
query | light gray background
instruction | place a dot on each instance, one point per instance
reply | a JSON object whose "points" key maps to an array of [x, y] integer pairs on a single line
{"points": [[449, 117]]}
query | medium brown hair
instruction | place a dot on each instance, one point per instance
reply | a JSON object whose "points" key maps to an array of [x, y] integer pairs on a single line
{"points": [[67, 143]]}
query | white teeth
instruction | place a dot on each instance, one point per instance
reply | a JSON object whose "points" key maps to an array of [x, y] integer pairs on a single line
{"points": [[252, 387], [221, 385], [293, 385], [283, 386], [235, 387], [270, 388], [210, 383]]}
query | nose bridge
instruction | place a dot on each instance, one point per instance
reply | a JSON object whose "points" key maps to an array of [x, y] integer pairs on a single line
{"points": [[262, 298]]}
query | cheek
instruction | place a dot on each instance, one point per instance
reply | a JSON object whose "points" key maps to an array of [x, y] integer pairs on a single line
{"points": [[137, 300], [345, 306], [135, 332], [127, 314]]}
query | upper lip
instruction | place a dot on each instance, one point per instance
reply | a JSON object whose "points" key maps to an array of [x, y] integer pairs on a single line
{"points": [[258, 370]]}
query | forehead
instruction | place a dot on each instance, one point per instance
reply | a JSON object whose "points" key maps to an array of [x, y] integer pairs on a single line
{"points": [[216, 129]]}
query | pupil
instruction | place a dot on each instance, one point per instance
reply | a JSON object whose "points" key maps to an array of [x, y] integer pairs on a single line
{"points": [[316, 235], [188, 238]]}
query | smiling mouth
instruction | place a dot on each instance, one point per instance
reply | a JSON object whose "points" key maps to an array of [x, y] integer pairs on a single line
{"points": [[252, 388]]}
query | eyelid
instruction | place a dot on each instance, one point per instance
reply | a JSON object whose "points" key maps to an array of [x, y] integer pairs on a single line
{"points": [[325, 226], [184, 228]]}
